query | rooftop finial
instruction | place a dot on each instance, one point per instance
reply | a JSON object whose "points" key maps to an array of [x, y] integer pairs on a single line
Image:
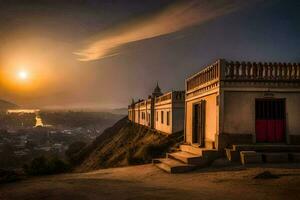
{"points": [[157, 91]]}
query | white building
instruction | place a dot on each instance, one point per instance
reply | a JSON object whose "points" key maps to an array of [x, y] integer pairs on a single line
{"points": [[162, 112]]}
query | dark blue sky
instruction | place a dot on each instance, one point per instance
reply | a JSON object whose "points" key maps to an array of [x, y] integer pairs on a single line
{"points": [[262, 31]]}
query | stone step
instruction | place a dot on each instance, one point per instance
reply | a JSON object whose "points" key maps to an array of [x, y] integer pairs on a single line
{"points": [[163, 167], [212, 154], [188, 158], [267, 147], [206, 153], [232, 155], [281, 157], [250, 157], [191, 149], [172, 166]]}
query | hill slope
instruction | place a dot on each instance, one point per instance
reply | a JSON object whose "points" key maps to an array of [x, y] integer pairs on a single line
{"points": [[125, 144], [5, 105]]}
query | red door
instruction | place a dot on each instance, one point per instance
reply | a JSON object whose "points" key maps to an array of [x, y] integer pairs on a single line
{"points": [[270, 120]]}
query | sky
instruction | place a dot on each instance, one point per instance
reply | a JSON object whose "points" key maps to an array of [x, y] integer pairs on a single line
{"points": [[102, 53]]}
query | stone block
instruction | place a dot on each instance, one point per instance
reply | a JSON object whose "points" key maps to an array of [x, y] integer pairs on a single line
{"points": [[250, 157], [232, 155], [221, 162], [276, 157]]}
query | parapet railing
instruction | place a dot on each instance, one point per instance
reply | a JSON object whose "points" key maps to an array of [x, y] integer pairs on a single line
{"points": [[164, 97], [174, 96], [137, 104], [262, 71], [243, 71], [208, 74]]}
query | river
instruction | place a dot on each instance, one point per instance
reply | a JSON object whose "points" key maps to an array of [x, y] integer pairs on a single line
{"points": [[38, 119]]}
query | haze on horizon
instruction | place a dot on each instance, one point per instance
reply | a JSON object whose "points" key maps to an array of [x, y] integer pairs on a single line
{"points": [[100, 54]]}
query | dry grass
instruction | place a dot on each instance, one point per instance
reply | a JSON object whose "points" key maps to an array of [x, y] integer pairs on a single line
{"points": [[126, 144]]}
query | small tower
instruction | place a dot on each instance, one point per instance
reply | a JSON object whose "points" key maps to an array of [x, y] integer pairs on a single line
{"points": [[157, 91]]}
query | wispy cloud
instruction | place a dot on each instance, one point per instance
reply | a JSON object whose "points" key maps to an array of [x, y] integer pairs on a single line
{"points": [[172, 19]]}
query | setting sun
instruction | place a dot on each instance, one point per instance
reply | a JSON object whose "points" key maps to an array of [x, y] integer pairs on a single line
{"points": [[23, 75]]}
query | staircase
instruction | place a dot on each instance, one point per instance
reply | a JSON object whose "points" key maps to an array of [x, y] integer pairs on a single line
{"points": [[189, 157], [186, 159], [275, 153]]}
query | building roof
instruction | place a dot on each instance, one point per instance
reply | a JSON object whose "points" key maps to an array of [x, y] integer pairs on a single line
{"points": [[244, 71]]}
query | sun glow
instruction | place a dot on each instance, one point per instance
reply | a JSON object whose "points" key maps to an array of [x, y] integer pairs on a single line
{"points": [[18, 78], [28, 73], [23, 75]]}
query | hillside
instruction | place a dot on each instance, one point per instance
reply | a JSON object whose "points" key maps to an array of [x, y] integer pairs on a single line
{"points": [[124, 144], [5, 105]]}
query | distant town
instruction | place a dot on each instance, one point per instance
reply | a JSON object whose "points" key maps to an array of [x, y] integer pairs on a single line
{"points": [[26, 134]]}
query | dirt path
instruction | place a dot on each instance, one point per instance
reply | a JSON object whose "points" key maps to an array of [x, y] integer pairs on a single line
{"points": [[148, 182]]}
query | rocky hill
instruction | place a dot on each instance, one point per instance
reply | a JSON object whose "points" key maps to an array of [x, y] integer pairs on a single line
{"points": [[124, 144], [5, 105]]}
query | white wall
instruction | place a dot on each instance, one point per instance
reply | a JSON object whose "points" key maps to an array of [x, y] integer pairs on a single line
{"points": [[163, 127], [239, 111], [211, 116]]}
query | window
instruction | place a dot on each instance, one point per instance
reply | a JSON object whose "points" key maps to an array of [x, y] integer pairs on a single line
{"points": [[168, 118], [157, 116], [162, 117]]}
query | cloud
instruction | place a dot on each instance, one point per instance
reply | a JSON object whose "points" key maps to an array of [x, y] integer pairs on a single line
{"points": [[172, 19]]}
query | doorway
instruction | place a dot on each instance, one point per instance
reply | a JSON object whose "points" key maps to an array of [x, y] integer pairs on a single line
{"points": [[270, 120], [199, 110]]}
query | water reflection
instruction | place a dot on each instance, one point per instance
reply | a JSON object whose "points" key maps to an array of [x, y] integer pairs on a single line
{"points": [[23, 111], [38, 119]]}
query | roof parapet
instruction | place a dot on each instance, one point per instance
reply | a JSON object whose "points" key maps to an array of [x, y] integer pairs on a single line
{"points": [[243, 71]]}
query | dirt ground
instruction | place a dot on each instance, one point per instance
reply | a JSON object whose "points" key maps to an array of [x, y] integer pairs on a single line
{"points": [[148, 182]]}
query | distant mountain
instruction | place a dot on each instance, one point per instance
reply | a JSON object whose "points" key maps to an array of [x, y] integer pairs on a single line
{"points": [[5, 105], [120, 111]]}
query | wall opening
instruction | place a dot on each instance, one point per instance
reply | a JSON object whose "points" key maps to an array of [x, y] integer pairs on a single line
{"points": [[199, 110], [270, 120]]}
